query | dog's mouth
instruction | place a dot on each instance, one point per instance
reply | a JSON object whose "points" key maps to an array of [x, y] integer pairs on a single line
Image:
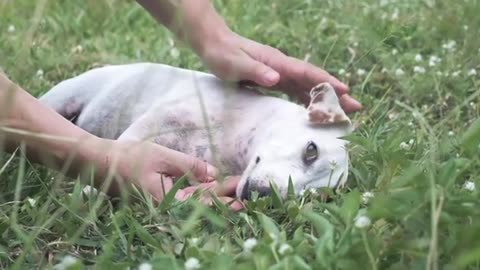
{"points": [[333, 180]]}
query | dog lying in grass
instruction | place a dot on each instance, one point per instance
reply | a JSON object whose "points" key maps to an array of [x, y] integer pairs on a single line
{"points": [[267, 140]]}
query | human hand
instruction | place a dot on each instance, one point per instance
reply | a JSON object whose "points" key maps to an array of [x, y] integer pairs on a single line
{"points": [[235, 58], [153, 168], [224, 191]]}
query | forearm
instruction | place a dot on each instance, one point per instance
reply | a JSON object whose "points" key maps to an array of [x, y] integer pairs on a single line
{"points": [[194, 22], [50, 139]]}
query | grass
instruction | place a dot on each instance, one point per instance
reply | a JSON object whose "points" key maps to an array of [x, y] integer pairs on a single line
{"points": [[416, 146]]}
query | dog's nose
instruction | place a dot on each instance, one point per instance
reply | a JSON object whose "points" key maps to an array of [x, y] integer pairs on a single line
{"points": [[250, 187], [245, 192]]}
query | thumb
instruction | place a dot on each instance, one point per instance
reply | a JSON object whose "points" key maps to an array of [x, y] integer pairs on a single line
{"points": [[251, 70], [179, 164]]}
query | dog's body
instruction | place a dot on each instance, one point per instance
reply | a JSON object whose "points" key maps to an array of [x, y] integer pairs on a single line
{"points": [[261, 137]]}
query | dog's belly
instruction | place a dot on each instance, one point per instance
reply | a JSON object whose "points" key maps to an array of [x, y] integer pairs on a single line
{"points": [[196, 144], [215, 137]]}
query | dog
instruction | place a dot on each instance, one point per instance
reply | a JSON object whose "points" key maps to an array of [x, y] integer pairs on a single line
{"points": [[265, 139]]}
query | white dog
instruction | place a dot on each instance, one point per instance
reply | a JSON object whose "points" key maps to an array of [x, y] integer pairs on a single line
{"points": [[265, 139]]}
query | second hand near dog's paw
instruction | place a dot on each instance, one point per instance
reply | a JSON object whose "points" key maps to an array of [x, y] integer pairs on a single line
{"points": [[224, 191], [235, 58]]}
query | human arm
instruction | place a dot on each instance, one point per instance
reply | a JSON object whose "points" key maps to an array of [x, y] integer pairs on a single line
{"points": [[235, 58], [51, 140]]}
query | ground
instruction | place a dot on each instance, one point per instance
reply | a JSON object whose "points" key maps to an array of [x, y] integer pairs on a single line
{"points": [[413, 64]]}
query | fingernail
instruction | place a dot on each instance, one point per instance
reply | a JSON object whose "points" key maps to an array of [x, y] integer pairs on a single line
{"points": [[270, 77]]}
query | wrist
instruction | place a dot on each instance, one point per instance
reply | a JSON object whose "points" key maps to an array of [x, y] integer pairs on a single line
{"points": [[100, 155], [201, 26]]}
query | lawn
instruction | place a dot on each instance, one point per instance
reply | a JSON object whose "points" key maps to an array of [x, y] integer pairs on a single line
{"points": [[411, 200]]}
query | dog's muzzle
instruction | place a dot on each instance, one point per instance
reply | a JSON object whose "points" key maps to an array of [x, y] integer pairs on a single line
{"points": [[251, 187]]}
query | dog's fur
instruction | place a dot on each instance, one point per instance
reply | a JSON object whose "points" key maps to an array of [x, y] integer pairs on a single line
{"points": [[263, 138]]}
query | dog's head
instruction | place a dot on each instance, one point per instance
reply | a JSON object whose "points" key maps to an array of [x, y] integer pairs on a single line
{"points": [[309, 151]]}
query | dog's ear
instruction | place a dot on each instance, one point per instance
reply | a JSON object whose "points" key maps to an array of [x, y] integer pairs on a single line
{"points": [[324, 107]]}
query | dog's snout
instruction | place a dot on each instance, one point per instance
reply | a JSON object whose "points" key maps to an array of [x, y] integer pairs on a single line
{"points": [[246, 192], [263, 191], [251, 187]]}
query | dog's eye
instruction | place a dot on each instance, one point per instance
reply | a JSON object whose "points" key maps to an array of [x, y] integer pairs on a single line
{"points": [[310, 153]]}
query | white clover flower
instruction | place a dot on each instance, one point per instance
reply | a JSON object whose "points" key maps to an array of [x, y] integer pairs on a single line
{"points": [[361, 72], [194, 241], [410, 124], [392, 115], [405, 146], [66, 263], [395, 14], [89, 190], [465, 27], [341, 71], [347, 74], [434, 60], [450, 45], [418, 58], [451, 133], [77, 49], [192, 263], [394, 52], [366, 196], [11, 28], [174, 53], [456, 73], [40, 73], [419, 70], [472, 72], [249, 244], [469, 185], [145, 266], [284, 248], [31, 201], [362, 222], [384, 70], [399, 72], [473, 105]]}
